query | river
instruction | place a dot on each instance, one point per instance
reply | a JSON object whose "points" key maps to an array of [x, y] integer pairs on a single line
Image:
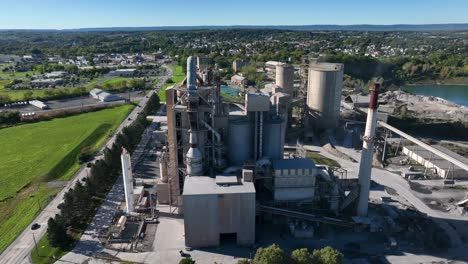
{"points": [[454, 93]]}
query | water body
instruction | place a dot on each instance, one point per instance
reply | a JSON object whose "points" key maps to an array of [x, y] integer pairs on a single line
{"points": [[230, 90], [454, 93]]}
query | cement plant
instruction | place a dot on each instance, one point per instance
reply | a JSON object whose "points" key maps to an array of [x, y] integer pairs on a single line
{"points": [[220, 145], [214, 179]]}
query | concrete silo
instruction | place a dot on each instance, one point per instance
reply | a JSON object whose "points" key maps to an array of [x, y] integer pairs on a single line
{"points": [[275, 132], [324, 93], [285, 78], [240, 142]]}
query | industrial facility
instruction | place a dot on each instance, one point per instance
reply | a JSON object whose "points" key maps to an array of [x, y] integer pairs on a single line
{"points": [[229, 168], [225, 161]]}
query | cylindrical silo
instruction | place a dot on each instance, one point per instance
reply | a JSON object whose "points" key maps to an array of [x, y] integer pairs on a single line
{"points": [[273, 146], [285, 78], [324, 93], [240, 142]]}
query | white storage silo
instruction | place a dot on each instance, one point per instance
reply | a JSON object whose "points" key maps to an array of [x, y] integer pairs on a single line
{"points": [[285, 78], [324, 93]]}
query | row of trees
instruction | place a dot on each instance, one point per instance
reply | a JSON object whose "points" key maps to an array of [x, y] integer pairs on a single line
{"points": [[122, 85], [81, 202], [50, 67], [275, 255], [10, 117]]}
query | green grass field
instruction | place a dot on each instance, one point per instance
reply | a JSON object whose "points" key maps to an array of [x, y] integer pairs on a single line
{"points": [[33, 154], [46, 252], [178, 75], [115, 80], [322, 160]]}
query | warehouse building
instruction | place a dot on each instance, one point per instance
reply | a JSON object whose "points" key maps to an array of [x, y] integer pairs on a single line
{"points": [[218, 207], [103, 96], [436, 164], [123, 72]]}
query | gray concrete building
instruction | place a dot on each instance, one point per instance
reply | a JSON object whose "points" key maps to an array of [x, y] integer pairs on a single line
{"points": [[217, 207], [294, 179]]}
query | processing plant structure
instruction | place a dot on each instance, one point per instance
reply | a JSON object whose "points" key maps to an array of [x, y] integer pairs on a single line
{"points": [[225, 162]]}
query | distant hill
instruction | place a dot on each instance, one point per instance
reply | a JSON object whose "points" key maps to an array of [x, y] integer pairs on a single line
{"points": [[363, 27]]}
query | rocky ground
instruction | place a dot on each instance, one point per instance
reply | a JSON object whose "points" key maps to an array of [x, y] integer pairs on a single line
{"points": [[425, 106]]}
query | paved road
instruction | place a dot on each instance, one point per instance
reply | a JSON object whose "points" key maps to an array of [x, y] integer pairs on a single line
{"points": [[19, 250]]}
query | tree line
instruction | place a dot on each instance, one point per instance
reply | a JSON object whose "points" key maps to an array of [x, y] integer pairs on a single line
{"points": [[275, 255], [81, 202], [10, 117]]}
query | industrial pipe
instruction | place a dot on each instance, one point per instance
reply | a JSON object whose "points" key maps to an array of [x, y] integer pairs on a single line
{"points": [[260, 143]]}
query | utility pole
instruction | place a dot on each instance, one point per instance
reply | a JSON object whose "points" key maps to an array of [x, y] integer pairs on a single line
{"points": [[35, 244]]}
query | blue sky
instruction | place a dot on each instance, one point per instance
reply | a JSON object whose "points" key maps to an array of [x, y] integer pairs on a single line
{"points": [[60, 14]]}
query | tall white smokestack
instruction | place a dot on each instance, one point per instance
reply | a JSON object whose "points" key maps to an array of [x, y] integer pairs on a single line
{"points": [[365, 168], [128, 180]]}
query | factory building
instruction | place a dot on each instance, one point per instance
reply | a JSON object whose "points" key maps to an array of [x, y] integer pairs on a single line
{"points": [[325, 83], [204, 141], [223, 158], [214, 207], [103, 96]]}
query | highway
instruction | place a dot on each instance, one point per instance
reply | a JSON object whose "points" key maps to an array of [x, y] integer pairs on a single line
{"points": [[19, 250]]}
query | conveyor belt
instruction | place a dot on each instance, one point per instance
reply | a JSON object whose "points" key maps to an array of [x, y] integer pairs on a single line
{"points": [[304, 216]]}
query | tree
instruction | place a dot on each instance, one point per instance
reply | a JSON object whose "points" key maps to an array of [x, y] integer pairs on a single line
{"points": [[270, 255], [244, 261], [57, 233], [28, 95], [187, 261], [327, 255], [10, 117], [82, 200], [5, 99], [302, 256]]}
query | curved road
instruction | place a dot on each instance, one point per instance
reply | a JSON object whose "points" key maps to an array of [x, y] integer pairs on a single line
{"points": [[19, 250]]}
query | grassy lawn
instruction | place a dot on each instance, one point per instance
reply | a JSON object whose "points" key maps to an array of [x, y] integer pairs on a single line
{"points": [[33, 154], [322, 160], [178, 75], [115, 80], [46, 252], [232, 98]]}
